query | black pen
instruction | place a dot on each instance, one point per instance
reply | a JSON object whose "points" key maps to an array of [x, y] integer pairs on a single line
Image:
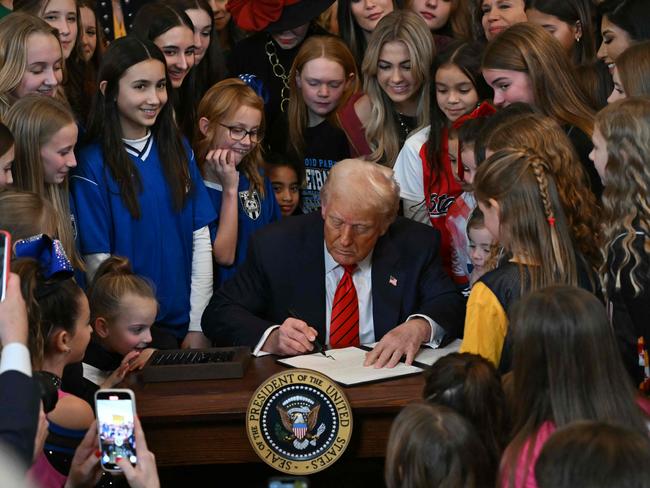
{"points": [[318, 347]]}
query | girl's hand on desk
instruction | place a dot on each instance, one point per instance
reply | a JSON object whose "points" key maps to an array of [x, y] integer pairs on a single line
{"points": [[123, 369], [139, 362]]}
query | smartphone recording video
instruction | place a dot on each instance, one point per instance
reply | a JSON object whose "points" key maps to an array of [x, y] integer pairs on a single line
{"points": [[5, 256], [115, 425]]}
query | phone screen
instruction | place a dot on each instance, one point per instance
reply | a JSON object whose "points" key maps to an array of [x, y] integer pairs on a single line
{"points": [[115, 421], [4, 262]]}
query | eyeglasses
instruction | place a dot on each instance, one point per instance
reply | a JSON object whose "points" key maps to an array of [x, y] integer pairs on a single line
{"points": [[238, 133]]}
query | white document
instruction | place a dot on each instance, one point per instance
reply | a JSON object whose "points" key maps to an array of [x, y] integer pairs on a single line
{"points": [[429, 356], [347, 367]]}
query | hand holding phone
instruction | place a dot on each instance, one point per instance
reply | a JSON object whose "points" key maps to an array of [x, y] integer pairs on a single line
{"points": [[116, 427], [84, 468], [145, 474], [13, 314]]}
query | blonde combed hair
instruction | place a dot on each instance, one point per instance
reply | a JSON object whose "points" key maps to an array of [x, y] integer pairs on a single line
{"points": [[625, 126], [15, 30], [33, 120], [382, 131], [315, 47], [223, 98]]}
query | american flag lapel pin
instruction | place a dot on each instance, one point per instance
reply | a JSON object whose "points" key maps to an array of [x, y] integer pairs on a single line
{"points": [[392, 280]]}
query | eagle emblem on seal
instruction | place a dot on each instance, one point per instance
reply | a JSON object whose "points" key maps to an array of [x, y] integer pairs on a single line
{"points": [[300, 424]]}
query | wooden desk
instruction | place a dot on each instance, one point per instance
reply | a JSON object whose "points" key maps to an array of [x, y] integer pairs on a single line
{"points": [[202, 422]]}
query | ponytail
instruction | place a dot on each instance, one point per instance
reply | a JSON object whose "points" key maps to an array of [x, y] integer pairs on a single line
{"points": [[51, 304]]}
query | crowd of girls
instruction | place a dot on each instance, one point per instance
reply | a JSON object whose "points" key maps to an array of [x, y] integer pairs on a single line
{"points": [[142, 144]]}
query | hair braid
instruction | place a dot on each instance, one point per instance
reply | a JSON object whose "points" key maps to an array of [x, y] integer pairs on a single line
{"points": [[539, 170]]}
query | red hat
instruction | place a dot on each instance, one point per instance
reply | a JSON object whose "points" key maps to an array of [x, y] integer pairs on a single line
{"points": [[275, 15]]}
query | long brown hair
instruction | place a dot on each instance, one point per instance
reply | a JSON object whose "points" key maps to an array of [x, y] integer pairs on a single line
{"points": [[351, 32], [529, 49], [460, 19], [633, 67], [105, 128], [566, 367], [223, 98], [544, 136], [625, 126], [459, 25], [574, 13], [532, 223], [333, 49], [432, 445], [471, 385], [33, 120]]}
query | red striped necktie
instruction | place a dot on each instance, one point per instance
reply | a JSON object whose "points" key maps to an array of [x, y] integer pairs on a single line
{"points": [[344, 322]]}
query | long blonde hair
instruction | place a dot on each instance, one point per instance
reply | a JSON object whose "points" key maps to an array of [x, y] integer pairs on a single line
{"points": [[532, 223], [33, 120], [625, 126], [15, 30], [315, 47], [382, 130], [530, 49], [223, 98]]}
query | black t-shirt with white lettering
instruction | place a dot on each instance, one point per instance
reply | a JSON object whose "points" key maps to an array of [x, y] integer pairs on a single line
{"points": [[324, 146]]}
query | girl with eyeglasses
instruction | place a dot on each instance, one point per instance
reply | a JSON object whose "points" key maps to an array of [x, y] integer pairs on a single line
{"points": [[227, 145]]}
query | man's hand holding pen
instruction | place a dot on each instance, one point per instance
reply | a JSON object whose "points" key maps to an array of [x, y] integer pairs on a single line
{"points": [[293, 337]]}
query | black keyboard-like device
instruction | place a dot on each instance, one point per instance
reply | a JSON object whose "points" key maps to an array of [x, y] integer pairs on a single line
{"points": [[196, 364]]}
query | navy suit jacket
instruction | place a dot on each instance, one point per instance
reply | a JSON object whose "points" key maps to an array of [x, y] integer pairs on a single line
{"points": [[285, 269], [20, 404]]}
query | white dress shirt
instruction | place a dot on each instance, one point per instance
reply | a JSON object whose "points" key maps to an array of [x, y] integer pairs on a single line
{"points": [[15, 356], [362, 279]]}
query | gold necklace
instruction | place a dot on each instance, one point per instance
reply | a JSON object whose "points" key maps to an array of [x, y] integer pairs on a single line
{"points": [[280, 72]]}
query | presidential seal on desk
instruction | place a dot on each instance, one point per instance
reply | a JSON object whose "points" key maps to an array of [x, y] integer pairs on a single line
{"points": [[299, 421]]}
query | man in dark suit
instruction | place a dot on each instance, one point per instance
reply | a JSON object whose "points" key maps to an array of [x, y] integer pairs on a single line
{"points": [[354, 263], [19, 396]]}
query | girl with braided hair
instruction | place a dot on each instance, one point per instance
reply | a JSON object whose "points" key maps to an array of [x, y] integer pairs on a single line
{"points": [[546, 137], [517, 192]]}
